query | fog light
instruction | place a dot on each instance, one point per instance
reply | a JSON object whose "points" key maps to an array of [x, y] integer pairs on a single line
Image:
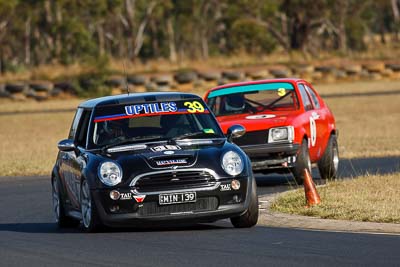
{"points": [[114, 208], [235, 184], [115, 195], [236, 199]]}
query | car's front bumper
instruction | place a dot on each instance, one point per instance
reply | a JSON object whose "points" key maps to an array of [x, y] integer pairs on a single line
{"points": [[271, 157], [210, 206]]}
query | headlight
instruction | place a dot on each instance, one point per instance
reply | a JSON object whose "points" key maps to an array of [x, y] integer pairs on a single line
{"points": [[110, 173], [281, 134], [232, 163]]}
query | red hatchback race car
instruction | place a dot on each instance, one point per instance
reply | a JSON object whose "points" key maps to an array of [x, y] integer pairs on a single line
{"points": [[288, 125]]}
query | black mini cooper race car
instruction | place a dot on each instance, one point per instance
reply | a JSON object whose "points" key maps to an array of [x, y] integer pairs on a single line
{"points": [[139, 159]]}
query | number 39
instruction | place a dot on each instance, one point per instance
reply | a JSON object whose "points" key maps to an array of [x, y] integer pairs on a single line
{"points": [[194, 106]]}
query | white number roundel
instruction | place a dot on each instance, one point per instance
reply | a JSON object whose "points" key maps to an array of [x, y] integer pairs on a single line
{"points": [[313, 131]]}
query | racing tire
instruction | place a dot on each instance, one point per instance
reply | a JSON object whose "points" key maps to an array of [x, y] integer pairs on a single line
{"points": [[66, 87], [328, 165], [90, 218], [14, 88], [250, 217], [137, 79], [210, 76], [233, 75], [62, 220], [41, 86], [303, 162], [115, 81], [280, 73], [185, 77]]}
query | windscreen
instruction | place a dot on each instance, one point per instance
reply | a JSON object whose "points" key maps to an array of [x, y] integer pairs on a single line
{"points": [[153, 121], [253, 98]]}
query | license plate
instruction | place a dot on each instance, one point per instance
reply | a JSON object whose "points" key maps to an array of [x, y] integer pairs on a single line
{"points": [[176, 198]]}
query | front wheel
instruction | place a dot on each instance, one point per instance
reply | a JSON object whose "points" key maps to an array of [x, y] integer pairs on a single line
{"points": [[328, 165], [250, 217], [303, 162], [90, 219]]}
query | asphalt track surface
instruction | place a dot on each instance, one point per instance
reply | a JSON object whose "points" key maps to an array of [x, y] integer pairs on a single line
{"points": [[28, 236]]}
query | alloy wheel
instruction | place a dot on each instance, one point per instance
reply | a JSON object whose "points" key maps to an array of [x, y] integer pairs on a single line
{"points": [[86, 205]]}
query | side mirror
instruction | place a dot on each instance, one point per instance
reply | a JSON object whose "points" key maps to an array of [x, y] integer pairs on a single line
{"points": [[66, 145], [235, 131]]}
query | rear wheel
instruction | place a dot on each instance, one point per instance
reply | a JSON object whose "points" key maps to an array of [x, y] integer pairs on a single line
{"points": [[90, 219], [303, 162], [328, 165], [250, 217], [62, 219]]}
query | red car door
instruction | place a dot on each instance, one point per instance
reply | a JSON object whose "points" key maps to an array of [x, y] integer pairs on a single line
{"points": [[314, 124], [323, 120]]}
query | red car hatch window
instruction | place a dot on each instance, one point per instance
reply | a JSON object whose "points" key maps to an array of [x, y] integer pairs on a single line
{"points": [[305, 98], [313, 97]]}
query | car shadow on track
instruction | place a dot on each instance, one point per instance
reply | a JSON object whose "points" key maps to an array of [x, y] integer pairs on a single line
{"points": [[35, 228], [51, 228]]}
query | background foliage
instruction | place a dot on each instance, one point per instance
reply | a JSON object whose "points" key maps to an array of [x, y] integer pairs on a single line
{"points": [[35, 32]]}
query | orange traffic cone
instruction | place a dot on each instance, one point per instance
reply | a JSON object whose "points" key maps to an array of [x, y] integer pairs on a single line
{"points": [[310, 190]]}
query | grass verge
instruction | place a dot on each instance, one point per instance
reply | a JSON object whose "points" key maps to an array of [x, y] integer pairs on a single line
{"points": [[369, 199], [28, 140], [368, 125]]}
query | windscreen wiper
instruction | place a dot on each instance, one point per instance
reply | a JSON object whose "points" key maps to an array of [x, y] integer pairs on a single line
{"points": [[145, 138], [195, 134]]}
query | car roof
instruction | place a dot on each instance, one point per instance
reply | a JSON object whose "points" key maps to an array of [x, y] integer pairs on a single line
{"points": [[133, 98], [279, 80]]}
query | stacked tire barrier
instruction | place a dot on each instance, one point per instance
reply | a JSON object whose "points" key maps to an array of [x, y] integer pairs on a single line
{"points": [[189, 80]]}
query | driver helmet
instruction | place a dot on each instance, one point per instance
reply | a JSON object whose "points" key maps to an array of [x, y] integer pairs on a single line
{"points": [[234, 102], [112, 128]]}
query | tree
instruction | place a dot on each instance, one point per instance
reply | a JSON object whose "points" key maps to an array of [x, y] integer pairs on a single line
{"points": [[7, 8], [34, 32]]}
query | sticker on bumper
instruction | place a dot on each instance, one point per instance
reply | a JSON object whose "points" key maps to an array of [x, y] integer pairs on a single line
{"points": [[171, 162], [225, 187]]}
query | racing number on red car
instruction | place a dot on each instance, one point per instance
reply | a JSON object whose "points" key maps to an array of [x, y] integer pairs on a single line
{"points": [[313, 128], [194, 106], [313, 131]]}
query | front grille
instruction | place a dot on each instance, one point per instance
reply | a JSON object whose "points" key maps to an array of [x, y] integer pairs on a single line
{"points": [[174, 180], [252, 138], [202, 204]]}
